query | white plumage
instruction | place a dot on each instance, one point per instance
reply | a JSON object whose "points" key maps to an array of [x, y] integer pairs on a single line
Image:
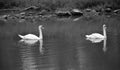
{"points": [[32, 36], [29, 36], [97, 37]]}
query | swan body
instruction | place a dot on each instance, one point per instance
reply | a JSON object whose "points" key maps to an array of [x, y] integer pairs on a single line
{"points": [[32, 36], [96, 36], [29, 36]]}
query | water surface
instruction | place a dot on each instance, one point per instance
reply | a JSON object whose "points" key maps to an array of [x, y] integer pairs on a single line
{"points": [[64, 46]]}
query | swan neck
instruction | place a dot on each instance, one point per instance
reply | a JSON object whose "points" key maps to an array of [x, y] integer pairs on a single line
{"points": [[104, 32], [40, 33]]}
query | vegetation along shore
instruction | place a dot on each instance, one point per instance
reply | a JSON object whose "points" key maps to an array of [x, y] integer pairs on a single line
{"points": [[22, 9]]}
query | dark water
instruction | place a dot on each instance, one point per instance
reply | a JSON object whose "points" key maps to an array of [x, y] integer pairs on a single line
{"points": [[64, 46]]}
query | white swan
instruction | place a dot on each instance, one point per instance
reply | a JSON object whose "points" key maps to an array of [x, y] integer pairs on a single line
{"points": [[97, 35], [32, 36]]}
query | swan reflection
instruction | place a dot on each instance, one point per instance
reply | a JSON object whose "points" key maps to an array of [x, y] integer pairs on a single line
{"points": [[104, 46], [41, 46], [98, 41], [95, 40], [30, 42], [28, 53]]}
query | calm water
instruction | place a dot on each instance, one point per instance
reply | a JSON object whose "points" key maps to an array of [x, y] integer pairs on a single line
{"points": [[64, 46]]}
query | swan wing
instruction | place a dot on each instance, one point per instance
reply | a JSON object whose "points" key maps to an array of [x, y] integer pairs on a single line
{"points": [[31, 36], [95, 35]]}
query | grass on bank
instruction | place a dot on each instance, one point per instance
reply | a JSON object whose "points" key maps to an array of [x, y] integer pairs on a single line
{"points": [[54, 4]]}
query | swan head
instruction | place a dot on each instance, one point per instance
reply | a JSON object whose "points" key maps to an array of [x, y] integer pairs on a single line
{"points": [[104, 26], [41, 27]]}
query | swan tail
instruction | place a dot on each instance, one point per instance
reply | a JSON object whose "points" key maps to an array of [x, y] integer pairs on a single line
{"points": [[21, 36], [87, 36]]}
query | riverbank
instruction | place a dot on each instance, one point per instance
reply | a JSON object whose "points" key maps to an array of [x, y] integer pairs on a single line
{"points": [[35, 9], [32, 13], [58, 7]]}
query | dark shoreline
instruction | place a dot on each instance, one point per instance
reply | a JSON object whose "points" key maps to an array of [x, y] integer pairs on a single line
{"points": [[59, 7]]}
